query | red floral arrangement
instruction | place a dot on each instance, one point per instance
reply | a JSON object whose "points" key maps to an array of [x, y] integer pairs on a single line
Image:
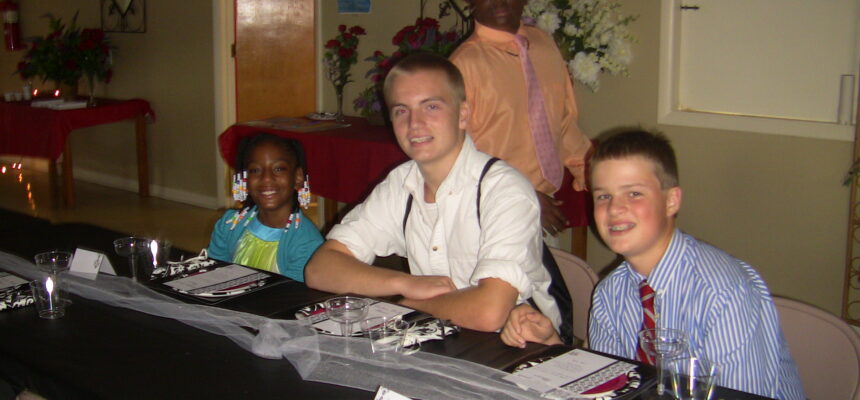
{"points": [[424, 35], [341, 55], [67, 54]]}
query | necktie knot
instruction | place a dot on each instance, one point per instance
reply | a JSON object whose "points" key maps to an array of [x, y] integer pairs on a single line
{"points": [[522, 43]]}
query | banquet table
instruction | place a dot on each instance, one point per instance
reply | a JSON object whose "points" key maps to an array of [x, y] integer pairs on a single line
{"points": [[101, 351], [43, 132]]}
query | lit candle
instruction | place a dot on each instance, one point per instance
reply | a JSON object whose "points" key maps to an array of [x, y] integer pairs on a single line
{"points": [[57, 93], [49, 285], [35, 92], [153, 247]]}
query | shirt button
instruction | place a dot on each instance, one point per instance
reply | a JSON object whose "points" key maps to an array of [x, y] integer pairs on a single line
{"points": [[435, 248], [451, 193]]}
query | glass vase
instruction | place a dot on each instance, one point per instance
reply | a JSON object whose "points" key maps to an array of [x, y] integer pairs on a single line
{"points": [[91, 88], [339, 116]]}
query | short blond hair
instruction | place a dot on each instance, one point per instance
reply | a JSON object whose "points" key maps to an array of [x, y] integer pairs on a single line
{"points": [[426, 61]]}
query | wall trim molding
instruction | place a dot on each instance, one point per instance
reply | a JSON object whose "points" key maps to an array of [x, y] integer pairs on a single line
{"points": [[669, 112], [127, 184]]}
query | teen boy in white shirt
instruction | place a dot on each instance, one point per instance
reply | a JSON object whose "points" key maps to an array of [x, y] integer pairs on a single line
{"points": [[467, 265]]}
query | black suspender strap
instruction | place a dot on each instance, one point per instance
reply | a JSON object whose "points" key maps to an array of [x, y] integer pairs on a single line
{"points": [[487, 166], [557, 289]]}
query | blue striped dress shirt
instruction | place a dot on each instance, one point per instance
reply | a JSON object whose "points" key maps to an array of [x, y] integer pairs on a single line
{"points": [[721, 302]]}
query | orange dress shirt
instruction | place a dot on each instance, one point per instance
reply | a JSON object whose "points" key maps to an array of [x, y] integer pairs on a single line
{"points": [[496, 92]]}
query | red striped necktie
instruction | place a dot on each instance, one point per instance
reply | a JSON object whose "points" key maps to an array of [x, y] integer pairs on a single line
{"points": [[649, 319], [550, 165]]}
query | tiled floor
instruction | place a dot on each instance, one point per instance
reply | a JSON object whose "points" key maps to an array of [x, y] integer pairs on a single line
{"points": [[188, 227]]}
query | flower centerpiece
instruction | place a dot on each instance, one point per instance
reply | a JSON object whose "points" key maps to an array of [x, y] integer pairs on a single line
{"points": [[424, 35], [590, 34], [340, 56], [67, 54]]}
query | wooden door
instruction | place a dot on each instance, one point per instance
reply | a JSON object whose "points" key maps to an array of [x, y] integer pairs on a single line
{"points": [[275, 58]]}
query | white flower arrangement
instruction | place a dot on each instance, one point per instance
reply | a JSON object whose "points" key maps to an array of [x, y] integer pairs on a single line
{"points": [[590, 34]]}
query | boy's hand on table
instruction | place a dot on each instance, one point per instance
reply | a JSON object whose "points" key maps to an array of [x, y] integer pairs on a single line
{"points": [[525, 324]]}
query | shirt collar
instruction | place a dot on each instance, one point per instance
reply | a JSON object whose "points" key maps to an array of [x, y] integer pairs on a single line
{"points": [[500, 39], [665, 270], [457, 177]]}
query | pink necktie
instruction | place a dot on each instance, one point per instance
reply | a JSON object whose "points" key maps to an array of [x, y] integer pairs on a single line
{"points": [[547, 156], [646, 294]]}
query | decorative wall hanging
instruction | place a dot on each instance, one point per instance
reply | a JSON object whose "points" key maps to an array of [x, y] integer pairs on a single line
{"points": [[127, 16]]}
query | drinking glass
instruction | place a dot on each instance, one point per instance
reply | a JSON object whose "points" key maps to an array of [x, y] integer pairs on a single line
{"points": [[52, 264], [345, 310], [131, 247], [155, 257], [385, 333], [692, 378], [663, 343]]}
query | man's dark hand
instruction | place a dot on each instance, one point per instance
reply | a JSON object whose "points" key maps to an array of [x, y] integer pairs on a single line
{"points": [[551, 217]]}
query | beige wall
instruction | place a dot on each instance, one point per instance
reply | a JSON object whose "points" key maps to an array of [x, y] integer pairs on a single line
{"points": [[774, 201], [170, 66]]}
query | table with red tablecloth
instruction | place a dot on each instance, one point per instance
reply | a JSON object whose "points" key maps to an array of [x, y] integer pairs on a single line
{"points": [[345, 163], [43, 132]]}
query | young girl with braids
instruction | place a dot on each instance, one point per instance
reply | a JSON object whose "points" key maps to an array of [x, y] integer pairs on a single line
{"points": [[269, 232]]}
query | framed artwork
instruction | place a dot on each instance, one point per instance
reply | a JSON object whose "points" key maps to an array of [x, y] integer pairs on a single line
{"points": [[353, 6], [123, 16]]}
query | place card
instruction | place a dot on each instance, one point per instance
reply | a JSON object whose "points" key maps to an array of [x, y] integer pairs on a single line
{"points": [[216, 280], [88, 263], [384, 393], [571, 373]]}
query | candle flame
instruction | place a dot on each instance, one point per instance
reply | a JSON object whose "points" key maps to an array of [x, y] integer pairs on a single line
{"points": [[57, 93], [49, 285], [153, 247], [35, 92]]}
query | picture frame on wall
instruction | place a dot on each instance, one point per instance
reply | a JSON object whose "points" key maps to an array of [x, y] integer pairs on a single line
{"points": [[353, 6], [127, 16]]}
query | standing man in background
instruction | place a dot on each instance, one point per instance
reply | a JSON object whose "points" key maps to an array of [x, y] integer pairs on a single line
{"points": [[522, 102]]}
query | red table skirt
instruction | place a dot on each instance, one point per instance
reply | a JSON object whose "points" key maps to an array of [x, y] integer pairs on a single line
{"points": [[345, 164], [42, 132]]}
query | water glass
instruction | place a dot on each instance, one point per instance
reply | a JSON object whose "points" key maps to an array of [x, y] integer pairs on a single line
{"points": [[345, 310], [53, 262], [663, 344], [692, 378], [154, 257], [132, 247], [49, 301], [385, 333]]}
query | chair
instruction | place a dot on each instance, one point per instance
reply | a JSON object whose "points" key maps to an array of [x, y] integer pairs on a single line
{"points": [[825, 348], [580, 280]]}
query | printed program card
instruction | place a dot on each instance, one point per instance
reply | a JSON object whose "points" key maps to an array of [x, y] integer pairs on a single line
{"points": [[576, 371], [8, 281], [217, 279]]}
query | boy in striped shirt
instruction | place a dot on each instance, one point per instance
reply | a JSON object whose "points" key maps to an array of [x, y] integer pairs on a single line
{"points": [[720, 302]]}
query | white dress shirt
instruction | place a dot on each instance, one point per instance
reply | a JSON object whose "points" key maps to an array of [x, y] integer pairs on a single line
{"points": [[445, 238]]}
